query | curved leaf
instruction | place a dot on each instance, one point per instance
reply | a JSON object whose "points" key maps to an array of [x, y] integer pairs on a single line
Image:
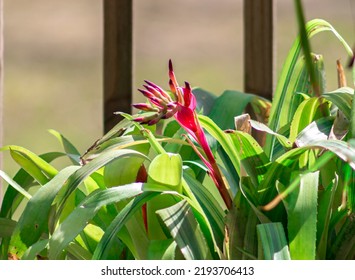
{"points": [[34, 219], [285, 88], [78, 219], [118, 223], [342, 98], [32, 162], [301, 207], [86, 170], [68, 147], [185, 230], [272, 242], [7, 227], [12, 199], [308, 111]]}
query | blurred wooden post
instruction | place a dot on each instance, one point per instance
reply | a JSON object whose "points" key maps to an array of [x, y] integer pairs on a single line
{"points": [[117, 59], [259, 52], [259, 47]]}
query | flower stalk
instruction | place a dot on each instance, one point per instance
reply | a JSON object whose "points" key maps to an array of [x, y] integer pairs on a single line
{"points": [[181, 105]]}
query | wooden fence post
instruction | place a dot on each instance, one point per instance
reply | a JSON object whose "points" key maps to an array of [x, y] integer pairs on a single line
{"points": [[117, 59], [259, 46], [259, 52]]}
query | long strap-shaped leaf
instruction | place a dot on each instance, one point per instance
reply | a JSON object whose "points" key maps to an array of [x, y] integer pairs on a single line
{"points": [[301, 206], [284, 92], [86, 170], [79, 218], [272, 242], [184, 228], [103, 247], [34, 220], [12, 199], [241, 148]]}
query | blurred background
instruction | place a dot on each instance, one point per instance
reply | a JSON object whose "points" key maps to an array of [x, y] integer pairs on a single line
{"points": [[53, 57]]}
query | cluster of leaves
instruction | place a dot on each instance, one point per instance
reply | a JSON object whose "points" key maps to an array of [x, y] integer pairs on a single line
{"points": [[142, 191]]}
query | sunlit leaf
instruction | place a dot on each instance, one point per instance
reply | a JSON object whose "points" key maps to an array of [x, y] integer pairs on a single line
{"points": [[78, 218], [185, 230], [272, 242], [69, 148], [301, 207], [34, 220]]}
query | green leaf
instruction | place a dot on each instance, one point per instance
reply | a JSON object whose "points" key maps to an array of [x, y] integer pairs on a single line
{"points": [[204, 99], [122, 142], [30, 167], [352, 117], [124, 170], [118, 223], [13, 184], [86, 170], [12, 199], [308, 111], [241, 148], [165, 171], [343, 246], [69, 148], [342, 98], [185, 230], [76, 252], [32, 162], [162, 249], [7, 227], [272, 242], [286, 84], [233, 103], [252, 158], [33, 251], [34, 219], [316, 131], [212, 209], [326, 201], [342, 149], [80, 216], [301, 207], [285, 142], [223, 139], [90, 237]]}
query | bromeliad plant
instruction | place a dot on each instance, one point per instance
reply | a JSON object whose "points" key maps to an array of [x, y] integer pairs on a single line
{"points": [[185, 179]]}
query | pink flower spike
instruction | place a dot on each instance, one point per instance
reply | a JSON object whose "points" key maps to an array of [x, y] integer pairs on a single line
{"points": [[153, 121], [157, 93], [172, 105], [158, 88], [189, 98], [171, 73], [174, 86], [146, 93], [205, 161], [147, 119], [169, 114], [144, 107], [158, 102], [139, 119], [185, 116], [182, 105]]}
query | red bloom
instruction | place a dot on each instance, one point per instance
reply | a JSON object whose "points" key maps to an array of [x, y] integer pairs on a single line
{"points": [[181, 105]]}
